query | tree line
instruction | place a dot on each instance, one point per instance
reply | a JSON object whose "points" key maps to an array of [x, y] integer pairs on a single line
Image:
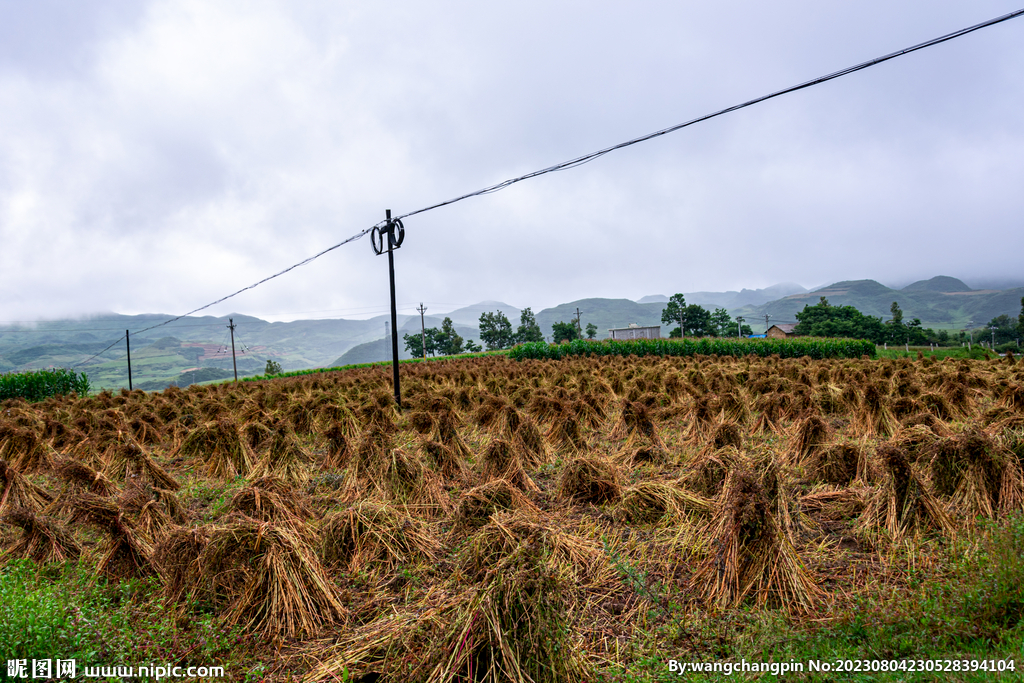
{"points": [[691, 320], [825, 320], [696, 321]]}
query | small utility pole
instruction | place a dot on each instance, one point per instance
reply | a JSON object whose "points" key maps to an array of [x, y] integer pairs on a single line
{"points": [[423, 328], [387, 333], [739, 326], [993, 328], [128, 347], [393, 233], [234, 365], [766, 317], [579, 328]]}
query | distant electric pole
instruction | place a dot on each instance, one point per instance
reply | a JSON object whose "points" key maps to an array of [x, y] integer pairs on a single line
{"points": [[231, 326], [579, 329], [766, 316], [739, 326], [387, 333], [423, 328]]}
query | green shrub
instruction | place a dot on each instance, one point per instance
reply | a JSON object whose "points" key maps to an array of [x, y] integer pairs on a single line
{"points": [[706, 346]]}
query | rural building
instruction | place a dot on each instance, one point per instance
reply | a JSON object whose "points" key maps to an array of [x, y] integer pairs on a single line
{"points": [[781, 331], [634, 331]]}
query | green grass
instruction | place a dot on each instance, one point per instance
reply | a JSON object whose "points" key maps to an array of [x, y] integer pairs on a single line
{"points": [[66, 612], [956, 352]]}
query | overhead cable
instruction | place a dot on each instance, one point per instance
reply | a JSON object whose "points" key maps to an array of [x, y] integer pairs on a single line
{"points": [[586, 158]]}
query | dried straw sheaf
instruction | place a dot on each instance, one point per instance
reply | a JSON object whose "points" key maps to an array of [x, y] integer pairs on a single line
{"points": [[590, 479], [18, 492], [43, 539], [396, 474], [177, 558], [651, 502], [444, 461], [514, 627], [218, 447], [79, 477], [502, 461], [371, 534], [977, 473], [476, 505], [506, 532], [752, 554], [636, 425], [128, 553], [901, 504], [271, 499], [266, 579], [23, 449], [284, 458], [128, 461]]}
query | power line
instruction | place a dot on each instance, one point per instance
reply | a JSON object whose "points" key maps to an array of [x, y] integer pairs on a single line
{"points": [[586, 158]]}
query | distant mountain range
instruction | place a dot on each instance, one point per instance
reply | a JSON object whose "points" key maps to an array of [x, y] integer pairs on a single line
{"points": [[198, 348], [941, 302]]}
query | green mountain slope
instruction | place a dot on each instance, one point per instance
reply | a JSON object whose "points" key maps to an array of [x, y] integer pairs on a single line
{"points": [[605, 313], [954, 309]]}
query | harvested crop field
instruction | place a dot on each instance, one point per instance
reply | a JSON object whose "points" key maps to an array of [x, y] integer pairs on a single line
{"points": [[570, 520]]}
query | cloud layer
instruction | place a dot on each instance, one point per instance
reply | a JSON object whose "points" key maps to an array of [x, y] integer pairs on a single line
{"points": [[155, 157]]}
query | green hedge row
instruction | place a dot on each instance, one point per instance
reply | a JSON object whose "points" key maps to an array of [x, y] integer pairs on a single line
{"points": [[705, 346], [37, 385]]}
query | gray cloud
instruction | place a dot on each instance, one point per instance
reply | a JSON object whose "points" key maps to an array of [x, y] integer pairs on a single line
{"points": [[156, 157]]}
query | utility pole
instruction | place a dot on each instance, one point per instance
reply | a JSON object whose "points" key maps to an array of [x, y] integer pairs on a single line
{"points": [[231, 326], [128, 347], [739, 326], [766, 317], [423, 328], [579, 328], [993, 328], [387, 333], [393, 233]]}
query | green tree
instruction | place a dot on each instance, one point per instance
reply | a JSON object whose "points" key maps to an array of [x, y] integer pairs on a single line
{"points": [[722, 324], [564, 331], [697, 321], [415, 343], [273, 368], [898, 333], [473, 347], [449, 342], [1020, 318], [1005, 329], [496, 331], [672, 314], [591, 330], [529, 330], [825, 320]]}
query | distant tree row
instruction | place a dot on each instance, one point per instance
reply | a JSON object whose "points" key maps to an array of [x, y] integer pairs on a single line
{"points": [[496, 330], [697, 321], [825, 320], [444, 341]]}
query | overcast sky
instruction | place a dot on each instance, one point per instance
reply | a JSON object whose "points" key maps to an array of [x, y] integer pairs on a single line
{"points": [[156, 156]]}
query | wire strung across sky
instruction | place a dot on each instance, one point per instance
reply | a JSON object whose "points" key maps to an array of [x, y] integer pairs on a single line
{"points": [[586, 158]]}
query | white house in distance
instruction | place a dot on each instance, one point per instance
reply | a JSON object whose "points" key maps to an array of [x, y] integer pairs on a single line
{"points": [[634, 331]]}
